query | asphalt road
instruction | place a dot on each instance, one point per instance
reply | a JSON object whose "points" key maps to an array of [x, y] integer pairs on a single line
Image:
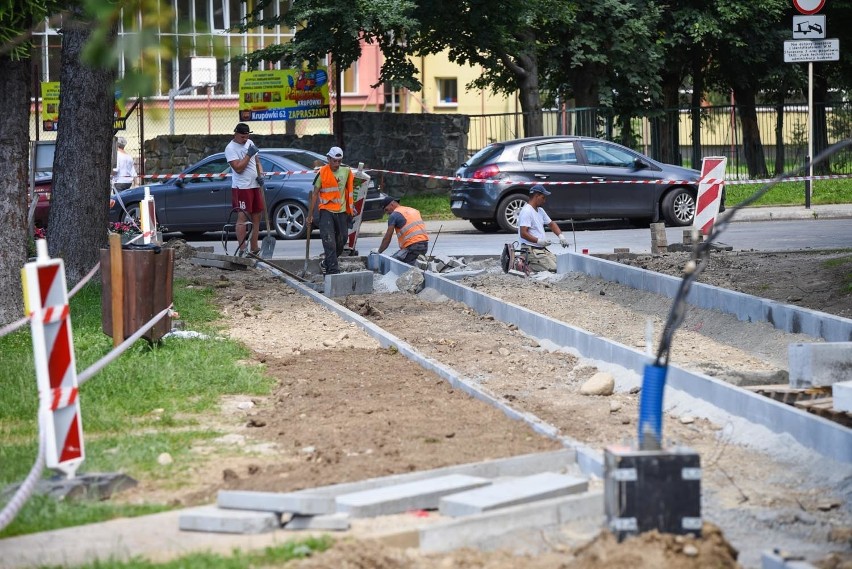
{"points": [[597, 237]]}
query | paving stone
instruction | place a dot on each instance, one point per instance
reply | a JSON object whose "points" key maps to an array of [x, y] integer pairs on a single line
{"points": [[420, 495], [819, 364], [342, 284], [303, 503], [328, 522], [841, 392], [220, 520], [511, 493]]}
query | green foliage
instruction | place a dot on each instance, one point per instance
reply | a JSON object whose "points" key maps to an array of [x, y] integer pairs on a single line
{"points": [[823, 192], [431, 207], [16, 19]]}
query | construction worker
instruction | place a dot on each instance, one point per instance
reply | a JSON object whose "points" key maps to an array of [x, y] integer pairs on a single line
{"points": [[333, 187], [410, 231], [531, 221]]}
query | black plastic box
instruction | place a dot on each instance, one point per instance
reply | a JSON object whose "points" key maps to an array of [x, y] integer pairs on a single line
{"points": [[652, 490]]}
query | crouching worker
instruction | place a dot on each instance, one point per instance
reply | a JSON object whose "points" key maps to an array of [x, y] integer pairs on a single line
{"points": [[410, 231], [531, 222]]}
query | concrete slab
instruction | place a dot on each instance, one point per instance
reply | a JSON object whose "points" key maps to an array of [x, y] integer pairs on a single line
{"points": [[304, 503], [841, 393], [773, 560], [471, 530], [342, 284], [219, 520], [511, 493], [329, 522], [419, 495], [819, 365]]}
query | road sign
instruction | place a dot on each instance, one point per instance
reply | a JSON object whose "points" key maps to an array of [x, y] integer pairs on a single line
{"points": [[802, 51], [808, 27], [807, 7]]}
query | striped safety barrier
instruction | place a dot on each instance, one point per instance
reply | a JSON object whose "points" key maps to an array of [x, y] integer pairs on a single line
{"points": [[46, 304]]}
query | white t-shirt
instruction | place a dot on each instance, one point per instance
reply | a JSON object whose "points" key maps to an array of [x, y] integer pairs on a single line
{"points": [[248, 177], [125, 171], [534, 221]]}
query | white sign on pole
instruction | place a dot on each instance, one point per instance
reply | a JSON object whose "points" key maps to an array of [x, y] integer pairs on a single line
{"points": [[203, 71], [808, 27], [801, 51]]}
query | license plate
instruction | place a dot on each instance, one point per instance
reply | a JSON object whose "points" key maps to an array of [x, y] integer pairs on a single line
{"points": [[456, 204]]}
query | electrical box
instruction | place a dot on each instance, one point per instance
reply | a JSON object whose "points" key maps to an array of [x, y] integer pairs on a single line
{"points": [[652, 490]]}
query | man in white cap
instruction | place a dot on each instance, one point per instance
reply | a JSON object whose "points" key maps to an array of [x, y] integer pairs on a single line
{"points": [[333, 187], [246, 185], [531, 222]]}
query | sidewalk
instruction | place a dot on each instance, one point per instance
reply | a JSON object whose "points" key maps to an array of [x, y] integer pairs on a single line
{"points": [[773, 213]]}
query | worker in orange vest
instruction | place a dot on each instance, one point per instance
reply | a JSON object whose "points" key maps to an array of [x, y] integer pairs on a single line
{"points": [[333, 188], [410, 231]]}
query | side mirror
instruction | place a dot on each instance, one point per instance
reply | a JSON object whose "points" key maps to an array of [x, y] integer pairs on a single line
{"points": [[640, 164], [180, 182]]}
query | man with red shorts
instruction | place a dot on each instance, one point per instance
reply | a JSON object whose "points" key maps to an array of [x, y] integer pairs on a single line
{"points": [[246, 185]]}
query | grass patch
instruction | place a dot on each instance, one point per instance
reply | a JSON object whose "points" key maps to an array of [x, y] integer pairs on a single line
{"points": [[823, 192], [839, 263], [431, 206], [269, 557], [143, 404]]}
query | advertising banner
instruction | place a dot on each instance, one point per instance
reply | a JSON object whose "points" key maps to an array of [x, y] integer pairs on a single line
{"points": [[50, 108], [284, 94]]}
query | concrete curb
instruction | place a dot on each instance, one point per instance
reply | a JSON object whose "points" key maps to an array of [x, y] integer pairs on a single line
{"points": [[824, 436]]}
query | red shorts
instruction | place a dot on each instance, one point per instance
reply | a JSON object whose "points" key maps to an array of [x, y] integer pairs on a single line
{"points": [[248, 200]]}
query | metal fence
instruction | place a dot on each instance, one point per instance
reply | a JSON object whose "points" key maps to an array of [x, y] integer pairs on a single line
{"points": [[783, 133]]}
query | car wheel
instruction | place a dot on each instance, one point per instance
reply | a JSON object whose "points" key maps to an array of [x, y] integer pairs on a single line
{"points": [[508, 211], [289, 220], [489, 226], [679, 207], [132, 214]]}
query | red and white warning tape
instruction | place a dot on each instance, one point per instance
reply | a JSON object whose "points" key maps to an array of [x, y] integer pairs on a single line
{"points": [[516, 182]]}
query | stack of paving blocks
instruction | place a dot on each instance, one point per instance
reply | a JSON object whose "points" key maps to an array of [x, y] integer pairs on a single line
{"points": [[532, 488]]}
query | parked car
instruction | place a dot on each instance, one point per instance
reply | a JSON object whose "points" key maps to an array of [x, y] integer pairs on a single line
{"points": [[43, 187], [493, 206], [197, 205]]}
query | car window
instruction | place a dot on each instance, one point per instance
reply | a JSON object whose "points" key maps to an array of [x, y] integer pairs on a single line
{"points": [[217, 166], [554, 152], [485, 155], [305, 159], [603, 154]]}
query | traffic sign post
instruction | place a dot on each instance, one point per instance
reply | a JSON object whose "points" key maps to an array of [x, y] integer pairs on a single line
{"points": [[805, 47]]}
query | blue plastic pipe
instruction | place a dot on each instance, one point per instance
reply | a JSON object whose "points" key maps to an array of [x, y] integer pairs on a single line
{"points": [[651, 407]]}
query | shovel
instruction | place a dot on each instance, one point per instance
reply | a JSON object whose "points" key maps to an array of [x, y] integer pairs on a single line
{"points": [[267, 246]]}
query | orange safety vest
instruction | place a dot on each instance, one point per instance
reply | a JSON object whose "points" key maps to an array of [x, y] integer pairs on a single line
{"points": [[414, 230], [329, 191]]}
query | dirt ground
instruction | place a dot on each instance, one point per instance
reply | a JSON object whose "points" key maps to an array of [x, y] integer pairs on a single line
{"points": [[345, 409]]}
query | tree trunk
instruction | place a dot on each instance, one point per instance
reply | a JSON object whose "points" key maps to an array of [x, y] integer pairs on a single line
{"points": [[665, 138], [820, 125], [14, 150], [77, 226], [586, 87], [779, 137], [529, 96], [752, 146], [697, 93]]}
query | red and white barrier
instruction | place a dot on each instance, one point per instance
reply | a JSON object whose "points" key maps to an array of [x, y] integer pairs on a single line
{"points": [[147, 216], [710, 188], [46, 304]]}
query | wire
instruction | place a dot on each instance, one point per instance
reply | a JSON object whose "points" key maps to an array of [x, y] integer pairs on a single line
{"points": [[701, 253]]}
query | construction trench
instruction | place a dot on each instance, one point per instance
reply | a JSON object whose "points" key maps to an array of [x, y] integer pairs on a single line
{"points": [[508, 342], [771, 474]]}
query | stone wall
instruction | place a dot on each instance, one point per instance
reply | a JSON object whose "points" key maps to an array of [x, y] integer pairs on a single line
{"points": [[433, 144]]}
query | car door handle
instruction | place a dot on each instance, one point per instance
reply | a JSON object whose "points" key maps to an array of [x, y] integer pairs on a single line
{"points": [[598, 178], [541, 176]]}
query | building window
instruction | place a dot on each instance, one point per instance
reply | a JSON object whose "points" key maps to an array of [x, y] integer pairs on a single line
{"points": [[349, 80], [448, 91]]}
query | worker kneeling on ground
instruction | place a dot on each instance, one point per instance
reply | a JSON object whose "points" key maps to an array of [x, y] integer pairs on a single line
{"points": [[410, 231], [531, 222]]}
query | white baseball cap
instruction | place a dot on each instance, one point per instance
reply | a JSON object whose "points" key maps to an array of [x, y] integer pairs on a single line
{"points": [[335, 153]]}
